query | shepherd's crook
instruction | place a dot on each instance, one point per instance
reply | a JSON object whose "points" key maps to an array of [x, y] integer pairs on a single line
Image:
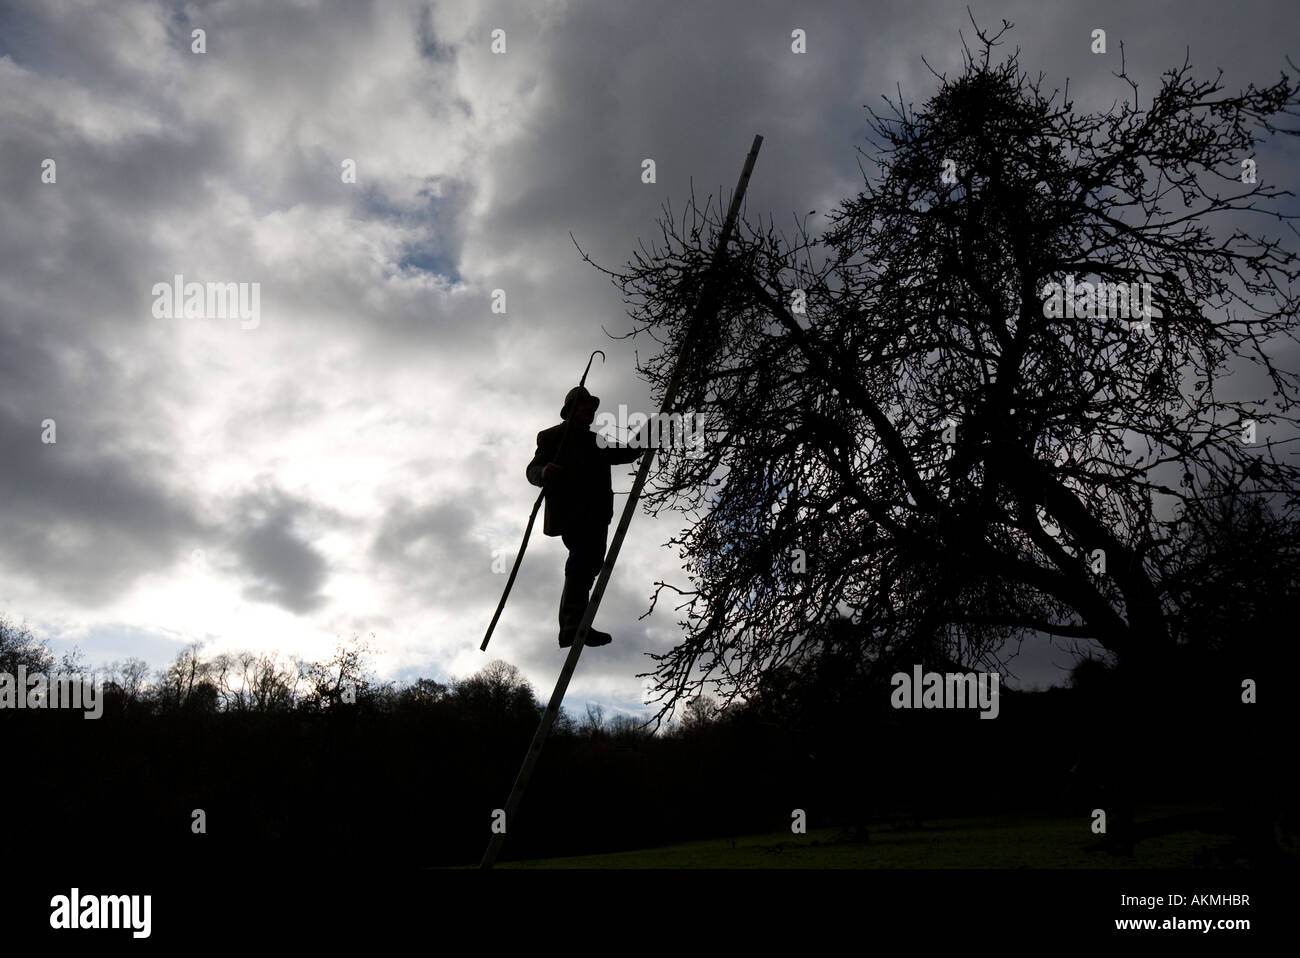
{"points": [[583, 380], [532, 517]]}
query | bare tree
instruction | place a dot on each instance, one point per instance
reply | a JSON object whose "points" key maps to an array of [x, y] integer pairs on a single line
{"points": [[132, 678], [594, 724], [342, 680], [18, 646], [700, 712], [259, 682], [127, 678], [497, 695], [424, 692], [907, 423], [188, 679]]}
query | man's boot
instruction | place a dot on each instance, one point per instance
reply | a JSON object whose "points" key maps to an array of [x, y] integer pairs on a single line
{"points": [[573, 603]]}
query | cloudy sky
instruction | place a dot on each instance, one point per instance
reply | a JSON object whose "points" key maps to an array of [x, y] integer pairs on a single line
{"points": [[349, 462]]}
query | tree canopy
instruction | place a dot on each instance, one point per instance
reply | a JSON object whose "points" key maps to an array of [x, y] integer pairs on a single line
{"points": [[909, 424]]}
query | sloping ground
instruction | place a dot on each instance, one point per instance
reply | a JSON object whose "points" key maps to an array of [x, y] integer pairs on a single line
{"points": [[1003, 842]]}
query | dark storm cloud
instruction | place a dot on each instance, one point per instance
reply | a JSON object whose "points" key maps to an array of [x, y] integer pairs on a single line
{"points": [[438, 547], [81, 518], [276, 561], [286, 571], [432, 47]]}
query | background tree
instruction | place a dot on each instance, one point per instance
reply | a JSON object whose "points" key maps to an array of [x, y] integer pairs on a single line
{"points": [[18, 646], [496, 698], [1234, 578], [187, 682], [125, 684], [424, 694], [329, 685], [594, 722], [700, 712], [251, 681]]}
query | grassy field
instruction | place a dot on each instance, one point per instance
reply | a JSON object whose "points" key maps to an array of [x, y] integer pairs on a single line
{"points": [[1002, 842]]}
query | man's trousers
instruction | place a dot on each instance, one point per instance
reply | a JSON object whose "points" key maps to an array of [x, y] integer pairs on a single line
{"points": [[586, 545]]}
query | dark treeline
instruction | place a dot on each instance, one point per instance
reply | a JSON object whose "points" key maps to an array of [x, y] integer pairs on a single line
{"points": [[321, 763]]}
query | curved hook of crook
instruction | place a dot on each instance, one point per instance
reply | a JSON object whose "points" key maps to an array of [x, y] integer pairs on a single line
{"points": [[583, 380]]}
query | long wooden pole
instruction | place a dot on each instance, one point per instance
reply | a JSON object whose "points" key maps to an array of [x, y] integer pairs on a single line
{"points": [[571, 662]]}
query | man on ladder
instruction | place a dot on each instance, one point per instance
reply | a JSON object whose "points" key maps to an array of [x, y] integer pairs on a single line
{"points": [[574, 472]]}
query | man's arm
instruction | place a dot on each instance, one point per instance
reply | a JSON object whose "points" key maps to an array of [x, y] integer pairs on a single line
{"points": [[615, 454], [540, 459]]}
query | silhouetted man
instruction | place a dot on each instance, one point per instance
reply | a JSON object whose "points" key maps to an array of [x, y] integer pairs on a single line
{"points": [[579, 502]]}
